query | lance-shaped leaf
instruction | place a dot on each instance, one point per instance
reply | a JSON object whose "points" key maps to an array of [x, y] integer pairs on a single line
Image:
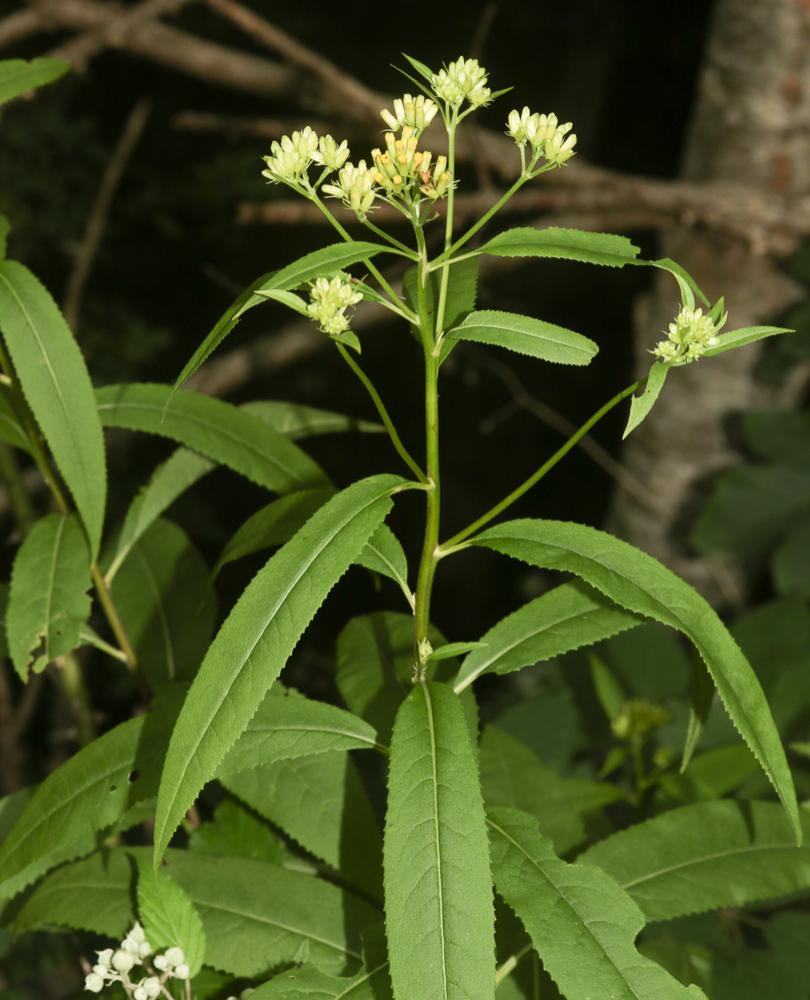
{"points": [[462, 289], [19, 76], [706, 856], [744, 336], [48, 600], [565, 244], [213, 428], [10, 430], [168, 916], [568, 617], [639, 583], [526, 335], [641, 405], [56, 385], [582, 925], [295, 421], [384, 554], [289, 725], [306, 268], [307, 983], [258, 637], [438, 890]]}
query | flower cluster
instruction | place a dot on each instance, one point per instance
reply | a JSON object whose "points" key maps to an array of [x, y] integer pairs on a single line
{"points": [[637, 718], [464, 79], [329, 301], [689, 336], [546, 136], [114, 965], [415, 112], [355, 188], [292, 155]]}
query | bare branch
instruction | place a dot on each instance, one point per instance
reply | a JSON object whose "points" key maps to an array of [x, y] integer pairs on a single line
{"points": [[18, 26]]}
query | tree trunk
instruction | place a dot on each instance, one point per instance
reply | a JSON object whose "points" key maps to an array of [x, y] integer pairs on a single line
{"points": [[751, 125]]}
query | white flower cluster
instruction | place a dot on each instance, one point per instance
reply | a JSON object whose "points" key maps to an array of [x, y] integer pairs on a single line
{"points": [[464, 79], [355, 188], [292, 155], [329, 300], [114, 965], [544, 134], [415, 112], [689, 336]]}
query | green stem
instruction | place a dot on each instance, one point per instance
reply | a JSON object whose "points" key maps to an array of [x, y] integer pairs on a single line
{"points": [[70, 672], [448, 230], [476, 226], [508, 967], [402, 451], [547, 466], [388, 237]]}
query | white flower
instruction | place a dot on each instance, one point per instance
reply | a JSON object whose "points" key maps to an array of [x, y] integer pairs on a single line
{"points": [[329, 301], [559, 149], [547, 137], [518, 125], [123, 961], [291, 156], [355, 188], [330, 154], [150, 987], [94, 983], [460, 80], [181, 971], [689, 336], [174, 956], [415, 112], [136, 944]]}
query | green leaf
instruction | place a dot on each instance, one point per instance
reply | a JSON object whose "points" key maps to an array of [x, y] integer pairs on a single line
{"points": [[383, 554], [420, 67], [438, 890], [706, 856], [565, 618], [165, 599], [307, 983], [48, 600], [56, 385], [639, 583], [453, 649], [235, 832], [5, 229], [641, 405], [462, 289], [511, 775], [565, 244], [10, 429], [289, 299], [320, 262], [581, 923], [711, 775], [744, 336], [526, 335], [294, 420], [273, 524], [320, 801], [168, 917], [217, 430], [258, 637], [19, 76], [289, 725], [686, 283], [789, 563]]}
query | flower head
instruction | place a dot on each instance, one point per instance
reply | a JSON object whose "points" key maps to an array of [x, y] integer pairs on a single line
{"points": [[437, 182], [547, 137], [291, 156], [689, 336], [330, 154], [354, 187], [415, 112], [518, 125], [464, 79], [329, 300]]}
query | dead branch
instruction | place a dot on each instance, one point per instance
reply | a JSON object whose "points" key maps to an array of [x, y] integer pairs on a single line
{"points": [[97, 220], [18, 26]]}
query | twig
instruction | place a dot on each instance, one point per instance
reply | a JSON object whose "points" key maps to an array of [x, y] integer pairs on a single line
{"points": [[19, 25], [97, 220]]}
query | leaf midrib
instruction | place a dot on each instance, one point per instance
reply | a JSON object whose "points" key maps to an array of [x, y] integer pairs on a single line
{"points": [[436, 832], [544, 335]]}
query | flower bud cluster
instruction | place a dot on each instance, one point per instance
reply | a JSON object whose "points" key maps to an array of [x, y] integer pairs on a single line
{"points": [[355, 188], [292, 155], [464, 79], [689, 336], [329, 300], [114, 965], [415, 112], [637, 718], [546, 136]]}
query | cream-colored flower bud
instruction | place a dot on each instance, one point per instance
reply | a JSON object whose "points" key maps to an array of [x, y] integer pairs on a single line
{"points": [[123, 961], [290, 156], [329, 300], [94, 983], [415, 112], [354, 187], [518, 124], [330, 154], [558, 149], [464, 79], [689, 336]]}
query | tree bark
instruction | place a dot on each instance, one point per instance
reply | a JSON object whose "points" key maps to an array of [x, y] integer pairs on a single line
{"points": [[752, 126]]}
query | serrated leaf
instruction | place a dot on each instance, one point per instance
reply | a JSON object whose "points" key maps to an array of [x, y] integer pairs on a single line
{"points": [[512, 775], [641, 405], [639, 583], [462, 289], [215, 429], [273, 524], [744, 336], [706, 856], [48, 600], [383, 554], [165, 599], [581, 923], [257, 638], [321, 803], [10, 430], [453, 649], [289, 299], [526, 335], [19, 76], [306, 268], [438, 889], [565, 244], [235, 832], [54, 379], [168, 917], [307, 983], [568, 617]]}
